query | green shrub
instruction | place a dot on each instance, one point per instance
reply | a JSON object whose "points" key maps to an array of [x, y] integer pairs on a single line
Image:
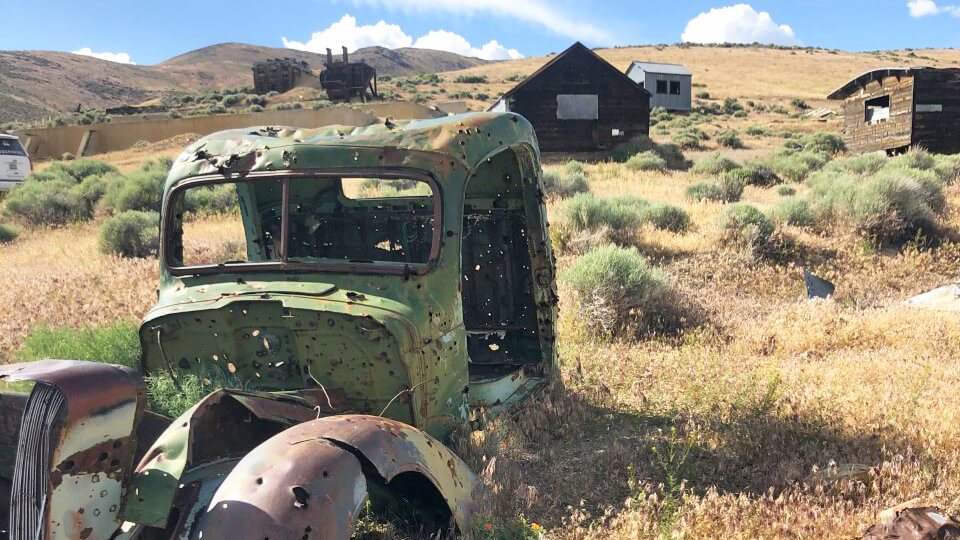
{"points": [[616, 288], [216, 199], [862, 164], [67, 156], [795, 165], [672, 154], [131, 234], [731, 105], [889, 206], [786, 191], [746, 226], [587, 212], [779, 109], [715, 165], [647, 161], [47, 203], [703, 95], [142, 189], [759, 131], [729, 139], [566, 182], [752, 175], [470, 79], [799, 103], [704, 191], [82, 168], [686, 140], [666, 217], [93, 188], [8, 233], [793, 211], [821, 142]]}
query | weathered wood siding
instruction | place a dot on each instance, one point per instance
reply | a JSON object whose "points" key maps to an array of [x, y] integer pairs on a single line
{"points": [[895, 132], [937, 130], [623, 105]]}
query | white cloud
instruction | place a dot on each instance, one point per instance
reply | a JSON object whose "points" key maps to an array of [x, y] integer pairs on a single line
{"points": [[737, 24], [926, 8], [538, 12], [120, 58], [443, 40], [346, 33]]}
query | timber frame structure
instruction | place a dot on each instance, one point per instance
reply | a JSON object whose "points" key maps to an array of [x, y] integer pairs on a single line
{"points": [[895, 109]]}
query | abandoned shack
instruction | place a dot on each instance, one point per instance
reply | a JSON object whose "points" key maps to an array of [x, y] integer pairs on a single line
{"points": [[344, 80], [579, 102], [895, 109], [282, 75], [670, 85]]}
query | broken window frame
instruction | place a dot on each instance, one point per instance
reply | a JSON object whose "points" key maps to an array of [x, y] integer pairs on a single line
{"points": [[873, 114], [675, 88], [283, 264]]}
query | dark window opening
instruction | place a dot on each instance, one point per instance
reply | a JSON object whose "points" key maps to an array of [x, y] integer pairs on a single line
{"points": [[313, 221], [675, 88], [877, 109], [662, 87]]}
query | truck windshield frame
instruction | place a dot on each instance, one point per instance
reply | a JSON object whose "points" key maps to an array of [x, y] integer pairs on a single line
{"points": [[285, 263]]}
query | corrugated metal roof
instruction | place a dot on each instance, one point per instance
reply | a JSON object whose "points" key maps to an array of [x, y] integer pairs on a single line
{"points": [[666, 69]]}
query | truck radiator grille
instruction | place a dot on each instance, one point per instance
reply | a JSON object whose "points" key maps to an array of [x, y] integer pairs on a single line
{"points": [[39, 430]]}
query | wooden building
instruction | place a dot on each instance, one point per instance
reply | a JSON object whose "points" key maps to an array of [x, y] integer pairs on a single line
{"points": [[670, 85], [895, 109], [282, 75], [579, 102]]}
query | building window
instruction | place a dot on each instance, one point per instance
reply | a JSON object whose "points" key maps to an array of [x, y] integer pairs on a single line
{"points": [[662, 87], [578, 107], [674, 88], [877, 109]]}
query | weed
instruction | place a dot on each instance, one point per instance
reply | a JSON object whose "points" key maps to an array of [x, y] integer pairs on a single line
{"points": [[715, 165], [566, 182], [647, 161], [8, 233]]}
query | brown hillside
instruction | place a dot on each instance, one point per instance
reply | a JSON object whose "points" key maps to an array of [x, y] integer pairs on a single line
{"points": [[36, 84]]}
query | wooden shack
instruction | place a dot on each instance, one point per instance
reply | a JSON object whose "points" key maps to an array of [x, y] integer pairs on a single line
{"points": [[579, 102], [894, 109], [281, 75]]}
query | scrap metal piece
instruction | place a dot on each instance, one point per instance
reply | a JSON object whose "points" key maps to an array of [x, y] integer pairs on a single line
{"points": [[817, 287], [939, 299], [927, 523], [309, 480], [76, 448]]}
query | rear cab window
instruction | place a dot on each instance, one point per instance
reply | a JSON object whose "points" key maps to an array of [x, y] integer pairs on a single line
{"points": [[11, 147]]}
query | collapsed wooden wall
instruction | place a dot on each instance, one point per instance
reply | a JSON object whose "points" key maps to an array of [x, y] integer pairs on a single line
{"points": [[892, 133]]}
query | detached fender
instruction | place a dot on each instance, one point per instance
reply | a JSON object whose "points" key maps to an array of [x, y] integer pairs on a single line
{"points": [[309, 481], [75, 448]]}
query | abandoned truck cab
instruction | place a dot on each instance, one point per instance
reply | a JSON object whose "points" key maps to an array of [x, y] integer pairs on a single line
{"points": [[345, 297]]}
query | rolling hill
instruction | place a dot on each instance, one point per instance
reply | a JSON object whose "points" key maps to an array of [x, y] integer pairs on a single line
{"points": [[37, 84]]}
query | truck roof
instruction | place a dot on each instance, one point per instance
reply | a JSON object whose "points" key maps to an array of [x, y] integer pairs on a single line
{"points": [[467, 139]]}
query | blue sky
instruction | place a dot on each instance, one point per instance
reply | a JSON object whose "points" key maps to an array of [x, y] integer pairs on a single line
{"points": [[145, 33]]}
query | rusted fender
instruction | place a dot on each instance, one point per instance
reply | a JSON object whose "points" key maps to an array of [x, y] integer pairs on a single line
{"points": [[75, 490], [308, 481]]}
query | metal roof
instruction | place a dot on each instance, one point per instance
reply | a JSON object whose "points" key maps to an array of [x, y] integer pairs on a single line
{"points": [[666, 69], [867, 76]]}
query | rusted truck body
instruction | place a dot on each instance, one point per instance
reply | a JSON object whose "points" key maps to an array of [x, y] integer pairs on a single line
{"points": [[366, 291]]}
